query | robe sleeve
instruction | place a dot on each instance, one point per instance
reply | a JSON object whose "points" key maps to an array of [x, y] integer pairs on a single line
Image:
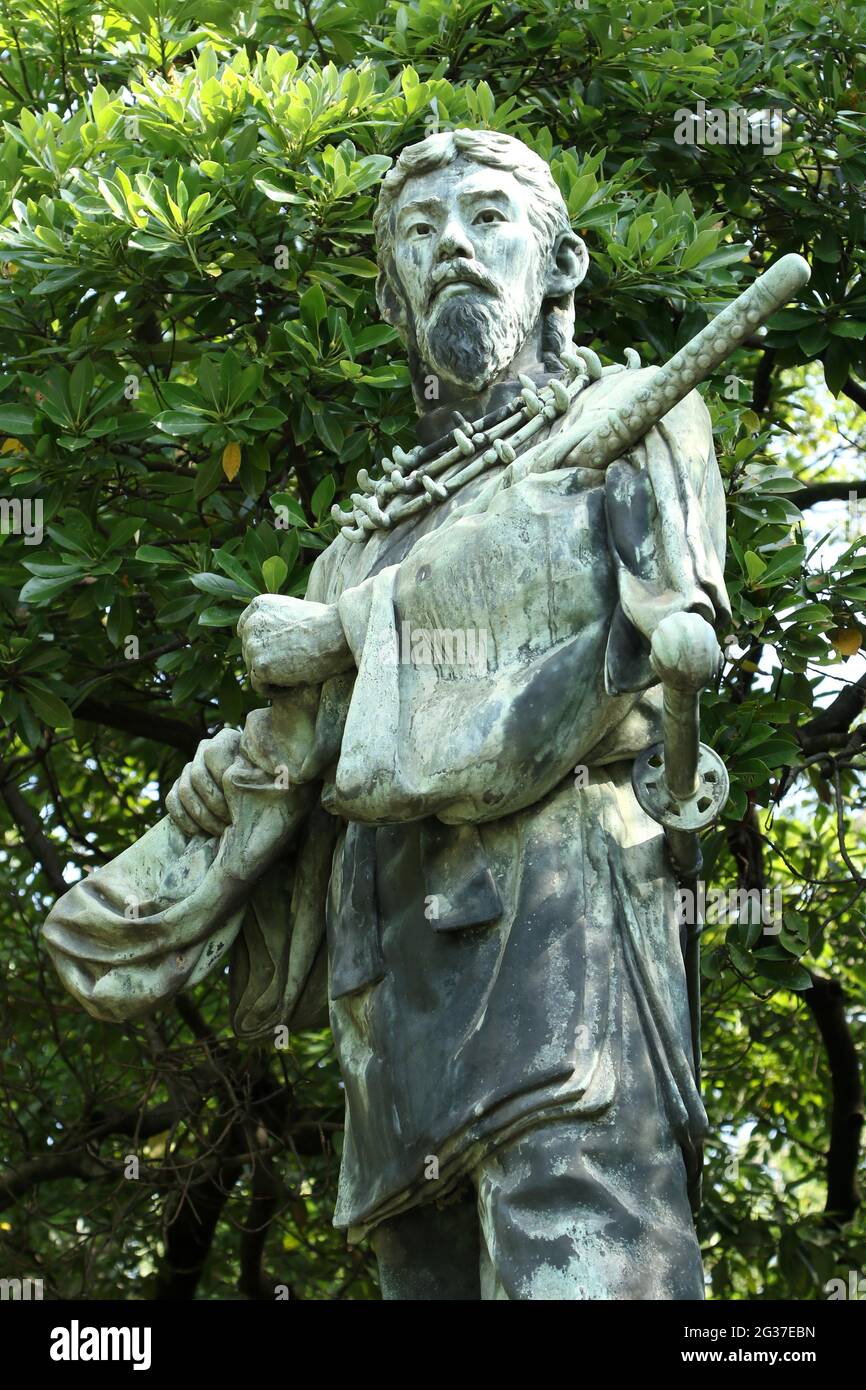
{"points": [[166, 911], [666, 522]]}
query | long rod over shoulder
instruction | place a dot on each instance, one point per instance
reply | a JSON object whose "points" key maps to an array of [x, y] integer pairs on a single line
{"points": [[631, 419]]}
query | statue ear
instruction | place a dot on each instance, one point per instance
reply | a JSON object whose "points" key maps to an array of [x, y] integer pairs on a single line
{"points": [[392, 306], [569, 262]]}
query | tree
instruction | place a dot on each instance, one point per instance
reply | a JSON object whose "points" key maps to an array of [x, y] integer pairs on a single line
{"points": [[193, 370]]}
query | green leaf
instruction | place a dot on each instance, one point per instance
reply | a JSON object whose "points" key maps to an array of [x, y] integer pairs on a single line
{"points": [[329, 431], [289, 510], [786, 562], [783, 975], [220, 587], [156, 555], [837, 364], [849, 328], [218, 616], [276, 193], [49, 707], [236, 572], [704, 243], [827, 247], [17, 419], [41, 591], [323, 496], [274, 571], [755, 567], [180, 422], [313, 309]]}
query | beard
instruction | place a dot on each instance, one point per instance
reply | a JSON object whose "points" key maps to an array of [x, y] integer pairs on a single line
{"points": [[469, 340]]}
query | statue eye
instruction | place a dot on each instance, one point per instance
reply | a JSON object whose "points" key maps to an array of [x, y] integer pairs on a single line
{"points": [[488, 216], [421, 229]]}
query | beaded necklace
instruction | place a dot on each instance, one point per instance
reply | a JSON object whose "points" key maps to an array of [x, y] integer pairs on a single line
{"points": [[411, 482]]}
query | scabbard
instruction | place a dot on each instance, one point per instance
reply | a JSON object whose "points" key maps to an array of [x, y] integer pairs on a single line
{"points": [[651, 400]]}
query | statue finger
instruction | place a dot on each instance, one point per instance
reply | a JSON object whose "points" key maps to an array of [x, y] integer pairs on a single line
{"points": [[178, 815], [220, 752], [242, 621], [259, 667], [250, 610], [207, 788], [260, 680], [195, 807], [248, 652]]}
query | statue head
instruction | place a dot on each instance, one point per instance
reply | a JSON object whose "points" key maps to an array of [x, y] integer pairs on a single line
{"points": [[477, 257]]}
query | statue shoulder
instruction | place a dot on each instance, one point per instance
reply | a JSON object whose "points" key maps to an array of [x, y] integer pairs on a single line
{"points": [[615, 387]]}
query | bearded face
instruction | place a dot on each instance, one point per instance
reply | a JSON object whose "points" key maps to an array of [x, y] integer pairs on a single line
{"points": [[472, 327], [469, 262]]}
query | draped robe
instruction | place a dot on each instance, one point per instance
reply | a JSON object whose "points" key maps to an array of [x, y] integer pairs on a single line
{"points": [[411, 848]]}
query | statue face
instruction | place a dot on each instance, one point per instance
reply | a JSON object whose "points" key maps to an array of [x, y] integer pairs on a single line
{"points": [[468, 259]]}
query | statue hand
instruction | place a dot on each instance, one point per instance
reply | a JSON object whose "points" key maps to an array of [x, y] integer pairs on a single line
{"points": [[196, 802], [685, 653], [291, 641]]}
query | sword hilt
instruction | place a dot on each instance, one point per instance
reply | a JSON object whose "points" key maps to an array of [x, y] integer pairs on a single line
{"points": [[681, 783]]}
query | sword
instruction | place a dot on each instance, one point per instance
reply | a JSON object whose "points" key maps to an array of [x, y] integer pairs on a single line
{"points": [[683, 785], [680, 783], [649, 402]]}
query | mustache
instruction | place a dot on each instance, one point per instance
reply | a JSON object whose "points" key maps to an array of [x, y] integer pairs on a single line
{"points": [[460, 272]]}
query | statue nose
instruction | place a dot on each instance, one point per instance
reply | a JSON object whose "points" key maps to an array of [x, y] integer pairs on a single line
{"points": [[454, 242]]}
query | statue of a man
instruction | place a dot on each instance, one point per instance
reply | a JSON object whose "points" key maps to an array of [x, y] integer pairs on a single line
{"points": [[431, 829]]}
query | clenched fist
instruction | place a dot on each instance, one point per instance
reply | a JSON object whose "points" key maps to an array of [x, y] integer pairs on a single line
{"points": [[196, 802], [291, 641]]}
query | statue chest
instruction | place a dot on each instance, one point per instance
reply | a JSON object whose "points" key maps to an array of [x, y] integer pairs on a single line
{"points": [[531, 570]]}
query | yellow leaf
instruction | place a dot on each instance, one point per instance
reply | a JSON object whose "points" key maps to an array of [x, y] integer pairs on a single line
{"points": [[12, 446], [231, 459], [846, 640]]}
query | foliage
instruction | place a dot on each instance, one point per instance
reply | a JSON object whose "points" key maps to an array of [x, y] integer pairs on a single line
{"points": [[193, 370]]}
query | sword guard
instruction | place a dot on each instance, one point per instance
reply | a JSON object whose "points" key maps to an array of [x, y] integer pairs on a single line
{"points": [[694, 813]]}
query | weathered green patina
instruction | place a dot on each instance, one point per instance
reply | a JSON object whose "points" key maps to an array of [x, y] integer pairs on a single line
{"points": [[430, 836]]}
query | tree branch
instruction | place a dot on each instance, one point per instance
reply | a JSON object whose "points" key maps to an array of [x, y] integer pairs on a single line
{"points": [[837, 718], [855, 392], [14, 1183], [828, 492], [763, 381], [34, 836], [826, 999], [141, 723]]}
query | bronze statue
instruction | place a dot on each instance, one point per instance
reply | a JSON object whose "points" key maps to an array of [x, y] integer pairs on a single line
{"points": [[432, 835]]}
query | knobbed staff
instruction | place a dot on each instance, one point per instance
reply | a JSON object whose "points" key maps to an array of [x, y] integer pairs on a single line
{"points": [[680, 783]]}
